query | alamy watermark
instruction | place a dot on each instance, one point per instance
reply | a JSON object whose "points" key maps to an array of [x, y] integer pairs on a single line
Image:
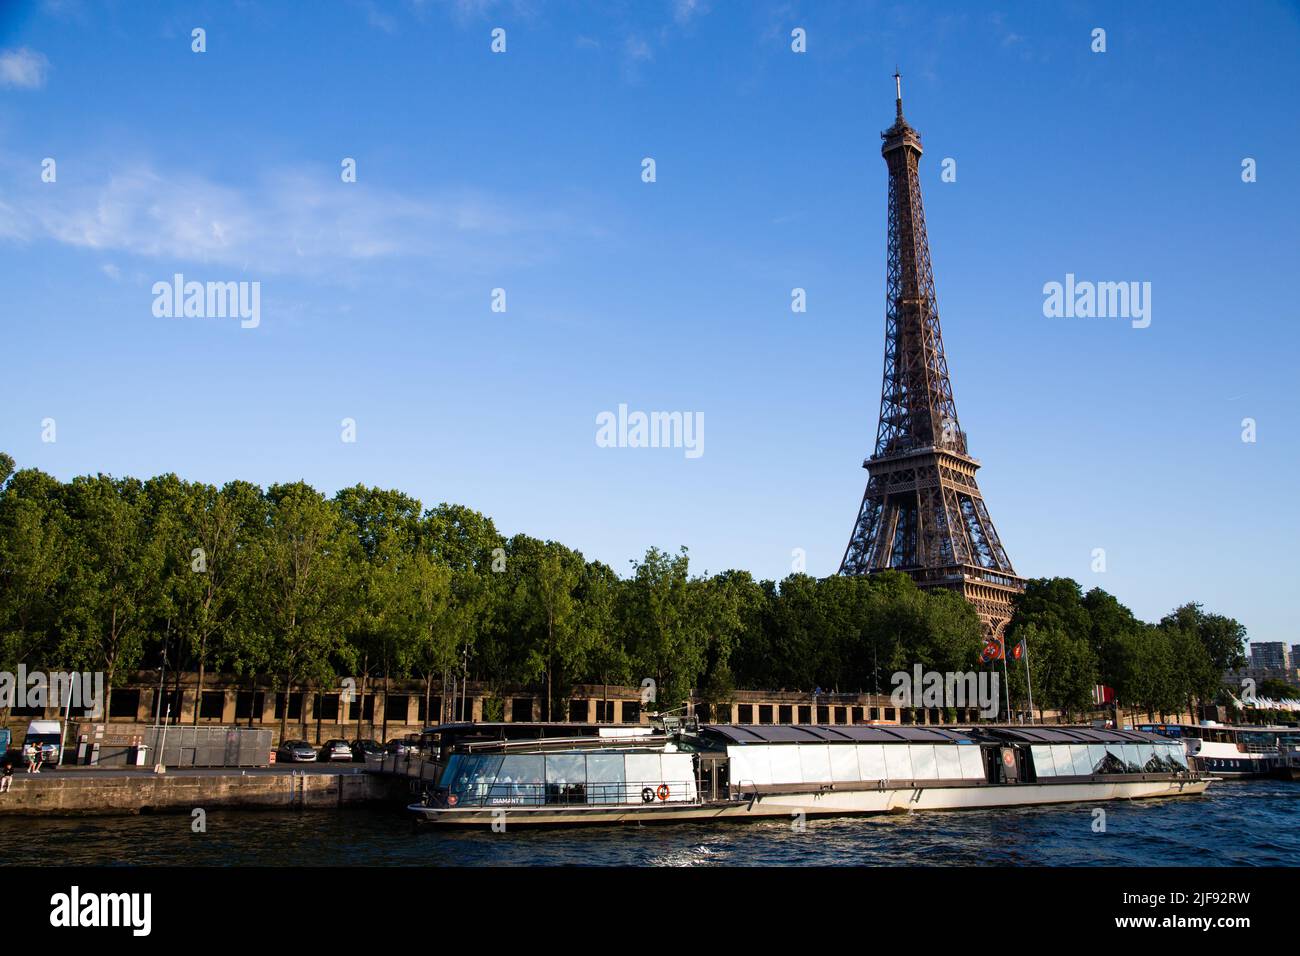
{"points": [[59, 689], [923, 688], [651, 430], [208, 300], [74, 908], [1101, 300]]}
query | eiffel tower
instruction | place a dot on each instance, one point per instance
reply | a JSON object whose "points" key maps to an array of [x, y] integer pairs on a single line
{"points": [[922, 512]]}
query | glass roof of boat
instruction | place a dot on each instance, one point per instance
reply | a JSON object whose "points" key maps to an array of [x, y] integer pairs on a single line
{"points": [[860, 733], [1068, 735], [822, 733]]}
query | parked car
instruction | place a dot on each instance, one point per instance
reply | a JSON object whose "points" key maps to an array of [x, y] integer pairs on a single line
{"points": [[361, 749], [399, 747], [296, 751], [336, 749]]}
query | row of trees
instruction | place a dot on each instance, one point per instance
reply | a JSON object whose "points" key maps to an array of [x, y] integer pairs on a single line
{"points": [[1077, 640], [105, 574]]}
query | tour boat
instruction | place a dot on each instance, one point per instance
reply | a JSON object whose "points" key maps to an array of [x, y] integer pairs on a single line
{"points": [[676, 770], [1234, 751]]}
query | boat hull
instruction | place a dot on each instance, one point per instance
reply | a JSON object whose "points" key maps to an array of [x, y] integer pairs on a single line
{"points": [[828, 803], [1235, 767]]}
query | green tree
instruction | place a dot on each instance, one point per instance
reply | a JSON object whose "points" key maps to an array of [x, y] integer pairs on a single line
{"points": [[435, 623], [664, 639], [1146, 676], [381, 622], [551, 576], [115, 581], [36, 551], [207, 535], [482, 585], [1224, 639], [600, 631], [305, 580], [1062, 669]]}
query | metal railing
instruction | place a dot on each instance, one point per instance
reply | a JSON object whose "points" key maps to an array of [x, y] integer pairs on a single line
{"points": [[629, 792]]}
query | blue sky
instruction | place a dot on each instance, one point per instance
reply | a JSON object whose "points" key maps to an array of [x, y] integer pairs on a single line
{"points": [[522, 171]]}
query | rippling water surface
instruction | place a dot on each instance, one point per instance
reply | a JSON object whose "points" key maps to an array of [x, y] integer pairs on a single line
{"points": [[1254, 823]]}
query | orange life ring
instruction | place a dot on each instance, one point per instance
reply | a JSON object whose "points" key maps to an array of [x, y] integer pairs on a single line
{"points": [[452, 800], [1008, 757], [662, 792]]}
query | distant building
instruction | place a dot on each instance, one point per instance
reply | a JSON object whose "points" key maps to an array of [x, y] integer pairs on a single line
{"points": [[1268, 655], [1269, 661]]}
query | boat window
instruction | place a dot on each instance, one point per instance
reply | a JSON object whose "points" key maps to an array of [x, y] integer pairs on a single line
{"points": [[948, 761], [1115, 758], [1172, 761], [1063, 759], [898, 762], [566, 778], [606, 780], [1111, 758], [1132, 759], [450, 771], [972, 763], [1167, 755], [1178, 754], [785, 764], [471, 777], [844, 763], [923, 762], [1146, 758], [520, 779], [566, 768], [1081, 759], [1044, 766], [815, 763], [871, 761], [1097, 758]]}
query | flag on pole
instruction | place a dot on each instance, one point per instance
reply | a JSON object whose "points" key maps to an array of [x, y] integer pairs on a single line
{"points": [[1018, 651], [992, 650]]}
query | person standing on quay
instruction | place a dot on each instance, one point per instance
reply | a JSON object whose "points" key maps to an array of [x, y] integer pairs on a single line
{"points": [[7, 779]]}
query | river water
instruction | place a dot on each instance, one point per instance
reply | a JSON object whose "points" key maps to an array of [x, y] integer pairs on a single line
{"points": [[1254, 823]]}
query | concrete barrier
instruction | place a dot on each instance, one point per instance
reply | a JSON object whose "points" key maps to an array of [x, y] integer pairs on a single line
{"points": [[89, 793]]}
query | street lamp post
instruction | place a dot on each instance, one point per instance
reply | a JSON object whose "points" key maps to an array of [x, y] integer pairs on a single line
{"points": [[160, 767]]}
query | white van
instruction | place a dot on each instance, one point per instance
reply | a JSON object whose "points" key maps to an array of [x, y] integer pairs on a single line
{"points": [[47, 737]]}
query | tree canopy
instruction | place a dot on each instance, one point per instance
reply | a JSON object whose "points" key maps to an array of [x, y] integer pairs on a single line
{"points": [[304, 589]]}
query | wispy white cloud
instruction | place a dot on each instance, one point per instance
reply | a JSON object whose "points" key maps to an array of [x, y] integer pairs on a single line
{"points": [[467, 10], [379, 19], [23, 68], [636, 52], [636, 48], [686, 10], [302, 221]]}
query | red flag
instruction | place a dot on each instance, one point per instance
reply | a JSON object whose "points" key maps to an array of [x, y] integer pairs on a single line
{"points": [[1018, 651], [992, 650]]}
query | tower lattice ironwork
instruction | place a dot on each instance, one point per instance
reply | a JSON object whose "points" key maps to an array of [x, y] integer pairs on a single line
{"points": [[922, 512]]}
